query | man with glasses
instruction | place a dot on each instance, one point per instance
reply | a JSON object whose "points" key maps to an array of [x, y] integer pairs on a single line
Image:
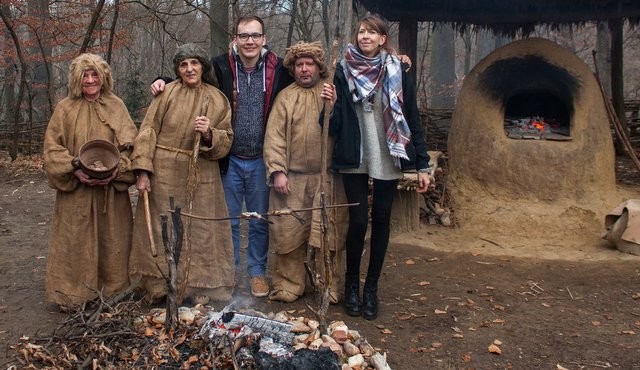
{"points": [[250, 76]]}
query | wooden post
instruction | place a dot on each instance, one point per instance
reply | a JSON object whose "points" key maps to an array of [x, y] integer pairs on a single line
{"points": [[408, 42]]}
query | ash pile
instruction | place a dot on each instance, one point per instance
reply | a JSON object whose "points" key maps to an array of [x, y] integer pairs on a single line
{"points": [[284, 341]]}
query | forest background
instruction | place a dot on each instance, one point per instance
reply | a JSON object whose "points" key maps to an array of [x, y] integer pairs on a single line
{"points": [[39, 38]]}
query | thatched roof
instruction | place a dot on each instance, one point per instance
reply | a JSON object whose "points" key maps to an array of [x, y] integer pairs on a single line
{"points": [[507, 16]]}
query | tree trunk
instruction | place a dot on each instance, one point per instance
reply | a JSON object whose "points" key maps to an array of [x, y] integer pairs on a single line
{"points": [[41, 105], [485, 44], [603, 55], [6, 18], [219, 26], [408, 41], [617, 79], [292, 21], [443, 57]]}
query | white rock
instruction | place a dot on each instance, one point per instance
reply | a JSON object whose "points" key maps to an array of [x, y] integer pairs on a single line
{"points": [[301, 338], [350, 349], [354, 335], [327, 339], [313, 324], [159, 317], [315, 344], [356, 360], [365, 348], [299, 327], [298, 346], [333, 325], [281, 316], [379, 362], [185, 316]]}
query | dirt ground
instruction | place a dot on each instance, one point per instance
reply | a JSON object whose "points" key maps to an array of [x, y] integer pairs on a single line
{"points": [[447, 294]]}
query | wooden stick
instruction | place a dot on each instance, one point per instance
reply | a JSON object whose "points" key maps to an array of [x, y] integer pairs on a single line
{"points": [[621, 133], [328, 266], [147, 216], [192, 184]]}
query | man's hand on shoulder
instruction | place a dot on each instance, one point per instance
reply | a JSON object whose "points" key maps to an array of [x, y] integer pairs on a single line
{"points": [[157, 86]]}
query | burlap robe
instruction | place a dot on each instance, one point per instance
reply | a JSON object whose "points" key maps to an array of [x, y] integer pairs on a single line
{"points": [[293, 146], [91, 226], [163, 148]]}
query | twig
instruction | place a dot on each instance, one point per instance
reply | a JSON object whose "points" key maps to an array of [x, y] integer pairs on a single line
{"points": [[492, 242], [570, 295]]}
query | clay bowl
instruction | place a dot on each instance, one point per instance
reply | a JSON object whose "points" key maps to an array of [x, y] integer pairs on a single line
{"points": [[99, 158]]}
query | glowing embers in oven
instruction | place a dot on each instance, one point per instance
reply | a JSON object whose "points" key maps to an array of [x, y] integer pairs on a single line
{"points": [[535, 128]]}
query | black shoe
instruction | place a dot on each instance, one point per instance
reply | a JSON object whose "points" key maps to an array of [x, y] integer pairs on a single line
{"points": [[352, 305], [370, 302]]}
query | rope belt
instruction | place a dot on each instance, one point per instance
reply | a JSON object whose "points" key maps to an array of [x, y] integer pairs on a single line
{"points": [[176, 150]]}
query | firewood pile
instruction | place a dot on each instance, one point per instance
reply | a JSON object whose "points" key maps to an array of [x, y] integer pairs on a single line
{"points": [[437, 207], [125, 336]]}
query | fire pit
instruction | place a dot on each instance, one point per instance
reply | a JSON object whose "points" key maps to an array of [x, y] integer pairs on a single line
{"points": [[528, 82]]}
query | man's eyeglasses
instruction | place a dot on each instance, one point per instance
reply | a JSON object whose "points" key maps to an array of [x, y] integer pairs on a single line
{"points": [[245, 36]]}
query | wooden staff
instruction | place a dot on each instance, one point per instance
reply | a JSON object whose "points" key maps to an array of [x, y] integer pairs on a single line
{"points": [[192, 184], [327, 276], [621, 132], [147, 215]]}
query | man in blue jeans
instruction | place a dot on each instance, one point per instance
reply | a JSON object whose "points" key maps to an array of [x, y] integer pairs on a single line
{"points": [[250, 76]]}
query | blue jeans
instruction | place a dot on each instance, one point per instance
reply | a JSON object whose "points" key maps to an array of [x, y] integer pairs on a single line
{"points": [[246, 181]]}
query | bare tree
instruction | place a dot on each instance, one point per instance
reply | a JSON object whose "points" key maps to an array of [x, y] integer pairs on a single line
{"points": [[6, 18]]}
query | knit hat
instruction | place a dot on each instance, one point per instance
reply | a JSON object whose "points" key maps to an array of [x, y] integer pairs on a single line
{"points": [[194, 51], [311, 50]]}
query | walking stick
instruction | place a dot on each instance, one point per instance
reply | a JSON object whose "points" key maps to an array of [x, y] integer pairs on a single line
{"points": [[147, 215], [327, 275], [192, 184]]}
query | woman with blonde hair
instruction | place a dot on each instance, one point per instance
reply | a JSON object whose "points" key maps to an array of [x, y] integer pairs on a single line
{"points": [[92, 219], [375, 123]]}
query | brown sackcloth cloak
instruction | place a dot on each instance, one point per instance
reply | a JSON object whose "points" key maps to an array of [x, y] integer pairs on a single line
{"points": [[163, 148], [91, 225], [293, 145]]}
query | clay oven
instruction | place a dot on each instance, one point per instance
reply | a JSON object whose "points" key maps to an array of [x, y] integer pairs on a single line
{"points": [[531, 78]]}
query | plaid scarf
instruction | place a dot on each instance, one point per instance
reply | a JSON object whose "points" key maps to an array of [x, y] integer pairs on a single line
{"points": [[364, 75]]}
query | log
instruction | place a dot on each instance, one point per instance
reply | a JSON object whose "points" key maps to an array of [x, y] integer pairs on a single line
{"points": [[405, 213]]}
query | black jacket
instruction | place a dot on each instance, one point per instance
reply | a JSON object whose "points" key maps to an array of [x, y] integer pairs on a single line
{"points": [[346, 130]]}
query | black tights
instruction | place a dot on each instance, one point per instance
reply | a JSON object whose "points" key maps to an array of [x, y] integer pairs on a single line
{"points": [[357, 191]]}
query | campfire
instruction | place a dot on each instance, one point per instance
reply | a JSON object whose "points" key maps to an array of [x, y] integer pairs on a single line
{"points": [[125, 337]]}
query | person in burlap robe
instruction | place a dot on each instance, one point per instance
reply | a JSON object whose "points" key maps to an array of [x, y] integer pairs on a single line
{"points": [[92, 219], [292, 153], [161, 158]]}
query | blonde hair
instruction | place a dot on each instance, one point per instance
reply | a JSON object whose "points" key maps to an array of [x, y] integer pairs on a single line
{"points": [[85, 62]]}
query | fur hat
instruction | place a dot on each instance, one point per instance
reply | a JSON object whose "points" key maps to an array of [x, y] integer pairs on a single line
{"points": [[313, 50], [85, 62], [194, 51]]}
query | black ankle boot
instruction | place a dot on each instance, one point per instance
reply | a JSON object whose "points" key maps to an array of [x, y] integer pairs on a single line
{"points": [[370, 301], [352, 305]]}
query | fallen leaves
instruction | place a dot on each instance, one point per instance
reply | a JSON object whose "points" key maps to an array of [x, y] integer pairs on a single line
{"points": [[494, 349]]}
